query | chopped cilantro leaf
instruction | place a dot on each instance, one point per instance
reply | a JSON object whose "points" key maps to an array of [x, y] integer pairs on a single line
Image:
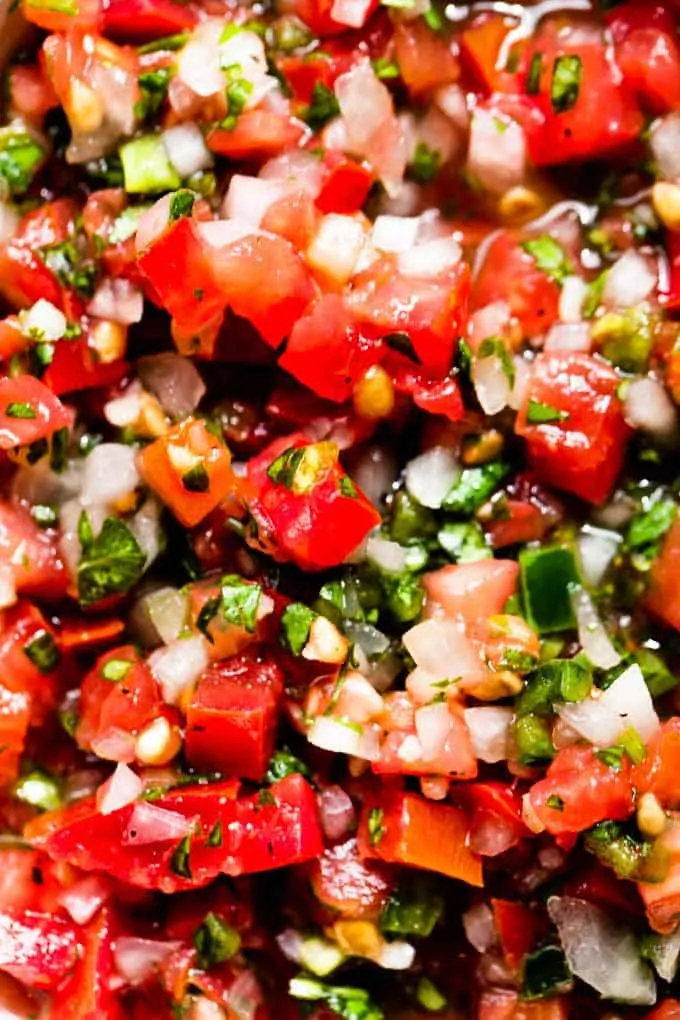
{"points": [[111, 563]]}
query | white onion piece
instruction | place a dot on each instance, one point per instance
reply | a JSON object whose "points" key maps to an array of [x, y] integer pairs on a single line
{"points": [[242, 999], [146, 528], [664, 141], [350, 12], [480, 927], [137, 959], [83, 899], [174, 380], [374, 470], [8, 591], [372, 129], [9, 222], [43, 321], [489, 321], [206, 1009], [489, 729], [395, 233], [430, 258], [626, 704], [593, 721], [569, 336], [110, 473], [221, 233], [167, 611], [601, 952], [198, 63], [596, 549], [334, 735], [152, 223], [396, 955], [389, 556], [591, 631], [491, 382], [178, 666], [497, 152], [430, 475], [114, 744], [336, 812], [152, 824], [574, 290], [186, 149], [248, 198], [125, 410], [617, 512], [247, 50], [123, 787], [296, 168], [452, 101], [336, 246], [117, 300], [648, 407], [290, 943], [440, 648], [629, 281], [433, 727]]}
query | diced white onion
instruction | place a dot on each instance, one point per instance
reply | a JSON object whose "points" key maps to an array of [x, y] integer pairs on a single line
{"points": [[433, 727], [350, 12], [569, 336], [627, 704], [110, 473], [629, 281], [430, 258], [186, 149], [452, 101], [174, 380], [152, 824], [430, 475], [152, 223], [596, 549], [336, 246], [198, 64], [138, 959], [489, 729], [480, 927], [9, 222], [167, 611], [222, 233], [664, 141], [43, 321], [591, 631], [648, 407], [497, 152], [491, 382], [83, 899], [395, 233], [123, 787], [298, 169], [574, 290], [396, 955], [125, 410], [389, 556], [248, 198], [117, 300], [178, 666], [602, 952], [489, 321], [372, 129], [441, 648], [340, 737]]}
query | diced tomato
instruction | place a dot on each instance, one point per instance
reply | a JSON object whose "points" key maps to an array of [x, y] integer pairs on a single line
{"points": [[322, 522], [598, 884], [29, 411], [31, 94], [32, 554], [24, 277], [233, 714], [113, 710], [47, 225], [13, 340], [146, 19], [264, 280], [662, 897], [519, 929], [431, 311], [293, 217], [658, 773], [506, 1005], [471, 591], [453, 757], [90, 994], [663, 597], [509, 273], [348, 885], [582, 445], [668, 1010], [86, 15], [346, 186], [493, 807], [190, 470], [426, 59], [404, 828], [258, 134], [436, 396], [580, 790], [520, 521], [328, 351], [37, 949], [481, 55], [590, 118], [320, 14], [178, 266], [647, 52], [76, 366], [19, 889], [232, 835]]}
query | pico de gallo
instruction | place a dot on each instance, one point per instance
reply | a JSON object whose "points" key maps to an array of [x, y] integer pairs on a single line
{"points": [[339, 531]]}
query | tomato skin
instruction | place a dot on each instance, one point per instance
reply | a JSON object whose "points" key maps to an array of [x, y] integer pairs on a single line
{"points": [[471, 591], [88, 994], [348, 885], [508, 273], [668, 1010], [30, 92], [38, 949], [315, 529], [426, 60], [34, 556], [658, 773], [328, 351], [647, 52], [506, 1005], [582, 453], [436, 396], [590, 791], [124, 706], [146, 19], [420, 833], [47, 414], [257, 836], [346, 186], [24, 278], [662, 598], [480, 45], [432, 311], [232, 716], [75, 366], [259, 134], [160, 471]]}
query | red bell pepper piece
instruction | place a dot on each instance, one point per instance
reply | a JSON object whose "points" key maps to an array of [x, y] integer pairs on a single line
{"points": [[37, 949], [404, 828], [232, 716]]}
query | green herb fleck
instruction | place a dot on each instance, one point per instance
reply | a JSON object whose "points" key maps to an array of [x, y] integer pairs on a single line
{"points": [[215, 942], [566, 82], [42, 651]]}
